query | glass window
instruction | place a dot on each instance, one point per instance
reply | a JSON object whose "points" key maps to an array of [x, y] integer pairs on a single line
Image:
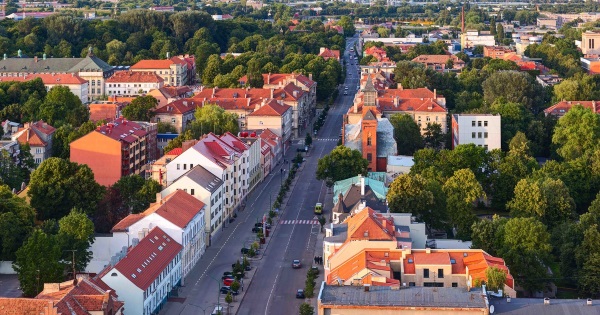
{"points": [[485, 134], [479, 124], [472, 123], [485, 123], [440, 273], [425, 273], [473, 135]]}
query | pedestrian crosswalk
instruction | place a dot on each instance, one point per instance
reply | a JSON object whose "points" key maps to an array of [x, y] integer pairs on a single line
{"points": [[299, 222], [327, 139]]}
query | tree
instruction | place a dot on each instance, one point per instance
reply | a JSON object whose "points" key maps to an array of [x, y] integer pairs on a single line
{"points": [[546, 199], [141, 108], [434, 137], [254, 74], [76, 232], [235, 286], [408, 194], [306, 309], [137, 193], [307, 139], [165, 127], [38, 262], [340, 164], [16, 222], [485, 234], [577, 133], [61, 107], [512, 86], [526, 248], [11, 173], [228, 300], [406, 133], [212, 69], [57, 186], [348, 25], [462, 190], [110, 211], [589, 278], [495, 278], [212, 118], [580, 87]]}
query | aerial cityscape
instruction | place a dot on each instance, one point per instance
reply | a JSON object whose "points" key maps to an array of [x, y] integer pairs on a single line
{"points": [[357, 157]]}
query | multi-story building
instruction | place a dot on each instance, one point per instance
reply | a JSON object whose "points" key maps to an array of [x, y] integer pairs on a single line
{"points": [[353, 194], [39, 136], [497, 52], [273, 115], [246, 166], [177, 113], [482, 130], [106, 110], [180, 215], [221, 160], [547, 80], [132, 83], [145, 274], [173, 71], [271, 147], [327, 54], [470, 39], [440, 63], [159, 167], [588, 43], [90, 68], [116, 149], [206, 187], [168, 94], [76, 84], [561, 108]]}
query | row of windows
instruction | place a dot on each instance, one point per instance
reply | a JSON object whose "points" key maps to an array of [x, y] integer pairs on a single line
{"points": [[440, 273], [479, 134], [485, 123]]}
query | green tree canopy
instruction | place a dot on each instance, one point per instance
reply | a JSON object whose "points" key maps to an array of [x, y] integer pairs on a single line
{"points": [[16, 222], [212, 118], [577, 133], [340, 164], [462, 190], [141, 108], [512, 86], [57, 186], [76, 232], [495, 278], [407, 134], [61, 107], [137, 193], [409, 194], [580, 87]]}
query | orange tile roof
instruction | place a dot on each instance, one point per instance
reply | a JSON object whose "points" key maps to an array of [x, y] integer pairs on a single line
{"points": [[128, 221], [134, 77], [440, 258], [328, 53], [272, 108], [563, 107], [105, 111], [368, 225], [20, 306], [156, 64], [180, 106], [437, 59]]}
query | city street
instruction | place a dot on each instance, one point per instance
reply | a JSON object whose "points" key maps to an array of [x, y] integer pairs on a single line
{"points": [[273, 287]]}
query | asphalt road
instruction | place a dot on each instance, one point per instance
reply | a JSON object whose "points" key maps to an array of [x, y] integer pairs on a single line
{"points": [[274, 284], [9, 286]]}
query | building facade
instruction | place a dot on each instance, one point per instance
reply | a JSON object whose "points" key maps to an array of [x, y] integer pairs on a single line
{"points": [[483, 130], [275, 116], [38, 135], [173, 71], [131, 83]]}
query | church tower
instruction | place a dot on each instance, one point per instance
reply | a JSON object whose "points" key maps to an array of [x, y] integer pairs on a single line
{"points": [[369, 137]]}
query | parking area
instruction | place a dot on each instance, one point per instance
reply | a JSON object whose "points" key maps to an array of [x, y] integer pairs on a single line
{"points": [[9, 286]]}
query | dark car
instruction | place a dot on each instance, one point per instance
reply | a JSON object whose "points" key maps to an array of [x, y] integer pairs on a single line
{"points": [[260, 225], [227, 289], [315, 269], [300, 294], [245, 250], [248, 267], [296, 264], [256, 229]]}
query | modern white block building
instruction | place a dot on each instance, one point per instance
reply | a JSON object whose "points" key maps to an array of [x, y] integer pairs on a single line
{"points": [[483, 130], [144, 277]]}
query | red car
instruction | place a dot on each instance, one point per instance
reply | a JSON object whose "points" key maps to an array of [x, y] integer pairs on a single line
{"points": [[228, 281]]}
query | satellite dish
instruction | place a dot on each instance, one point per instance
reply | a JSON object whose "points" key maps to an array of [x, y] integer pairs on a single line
{"points": [[491, 309]]}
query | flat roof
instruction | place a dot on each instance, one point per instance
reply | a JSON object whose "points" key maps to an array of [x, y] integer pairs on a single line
{"points": [[520, 306], [405, 296], [401, 160]]}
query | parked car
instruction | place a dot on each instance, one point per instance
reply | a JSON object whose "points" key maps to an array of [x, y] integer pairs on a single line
{"points": [[227, 289], [245, 250], [228, 281], [227, 277], [300, 294], [256, 229], [315, 269], [296, 264], [248, 267]]}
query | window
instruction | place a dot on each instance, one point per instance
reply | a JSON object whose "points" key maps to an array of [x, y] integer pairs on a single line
{"points": [[485, 134], [440, 273], [479, 135], [485, 123], [38, 150], [472, 123], [191, 165], [485, 146], [369, 143], [473, 135], [479, 123], [453, 261], [184, 166], [192, 191], [454, 284], [172, 120], [38, 161], [411, 284], [369, 157], [425, 273]]}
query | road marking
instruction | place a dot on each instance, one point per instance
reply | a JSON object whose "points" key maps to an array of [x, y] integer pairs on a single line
{"points": [[289, 222]]}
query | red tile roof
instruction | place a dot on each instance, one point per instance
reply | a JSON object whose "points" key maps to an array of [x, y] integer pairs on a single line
{"points": [[128, 221], [563, 107], [50, 78], [180, 106], [156, 64], [176, 151], [134, 77], [105, 111], [327, 53], [215, 149], [152, 255], [369, 225], [234, 142], [43, 127], [122, 129], [437, 59], [32, 133], [272, 108]]}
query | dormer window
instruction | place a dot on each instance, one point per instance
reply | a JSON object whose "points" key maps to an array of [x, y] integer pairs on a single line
{"points": [[410, 260]]}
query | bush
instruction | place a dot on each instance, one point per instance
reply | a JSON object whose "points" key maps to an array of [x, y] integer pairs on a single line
{"points": [[251, 253]]}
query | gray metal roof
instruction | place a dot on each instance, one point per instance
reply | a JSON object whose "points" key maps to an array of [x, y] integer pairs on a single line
{"points": [[536, 306], [405, 296], [204, 178], [340, 233], [49, 65]]}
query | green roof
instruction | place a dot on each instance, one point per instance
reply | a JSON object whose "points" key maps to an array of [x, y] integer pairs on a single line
{"points": [[375, 180]]}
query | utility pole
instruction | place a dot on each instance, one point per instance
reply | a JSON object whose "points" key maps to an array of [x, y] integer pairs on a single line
{"points": [[72, 262]]}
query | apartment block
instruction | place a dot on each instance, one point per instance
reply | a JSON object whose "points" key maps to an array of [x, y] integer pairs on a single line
{"points": [[173, 71], [590, 43], [483, 130], [131, 83]]}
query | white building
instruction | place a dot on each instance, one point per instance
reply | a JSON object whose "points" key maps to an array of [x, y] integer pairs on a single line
{"points": [[480, 129], [130, 83], [471, 39], [144, 276], [225, 162], [206, 187], [74, 82], [180, 215]]}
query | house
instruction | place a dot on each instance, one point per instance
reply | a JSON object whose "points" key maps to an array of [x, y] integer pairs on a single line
{"points": [[163, 139], [91, 69], [399, 164], [219, 17], [38, 135], [17, 16], [255, 169], [147, 273], [367, 300], [440, 63], [275, 116], [10, 127], [590, 64], [84, 296], [561, 108], [173, 71], [473, 38], [220, 159], [250, 163], [497, 52], [379, 53], [385, 68], [206, 187], [159, 167], [76, 84], [11, 147], [327, 54], [482, 130], [588, 42], [131, 83], [180, 215], [118, 148], [105, 110], [271, 147], [353, 194], [177, 113], [168, 94]]}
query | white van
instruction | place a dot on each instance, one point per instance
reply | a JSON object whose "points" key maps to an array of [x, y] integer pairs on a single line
{"points": [[218, 310]]}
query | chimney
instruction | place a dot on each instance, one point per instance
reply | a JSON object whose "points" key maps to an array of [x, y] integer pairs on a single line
{"points": [[44, 56], [168, 55], [51, 287], [435, 93], [310, 76], [356, 107], [362, 185], [396, 101], [158, 197], [145, 231], [271, 93], [35, 59], [140, 234], [269, 80]]}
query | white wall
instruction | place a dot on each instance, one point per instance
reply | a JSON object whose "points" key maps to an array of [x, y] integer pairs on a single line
{"points": [[466, 130], [130, 294], [103, 248]]}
